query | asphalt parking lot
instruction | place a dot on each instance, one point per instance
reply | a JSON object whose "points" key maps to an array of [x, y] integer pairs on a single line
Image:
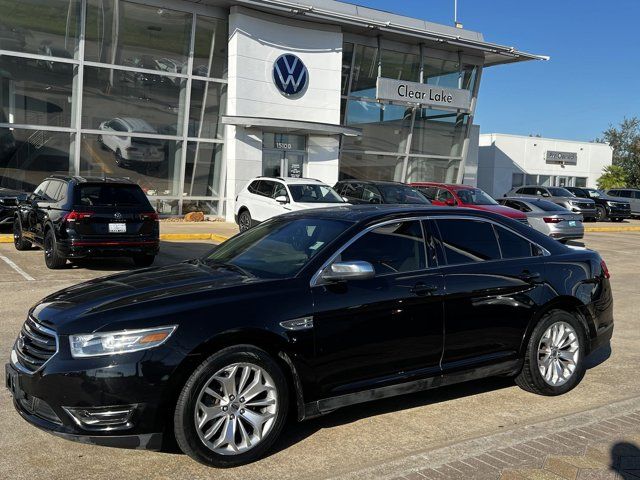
{"points": [[346, 441]]}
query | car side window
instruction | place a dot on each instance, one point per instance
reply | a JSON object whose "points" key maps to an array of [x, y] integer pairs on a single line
{"points": [[371, 194], [429, 192], [517, 205], [338, 188], [265, 188], [636, 194], [541, 191], [353, 190], [280, 191], [394, 248], [468, 241], [443, 195], [253, 187], [512, 245], [40, 189], [624, 193], [52, 192]]}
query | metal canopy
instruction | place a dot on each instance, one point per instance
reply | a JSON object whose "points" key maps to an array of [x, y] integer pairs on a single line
{"points": [[291, 126]]}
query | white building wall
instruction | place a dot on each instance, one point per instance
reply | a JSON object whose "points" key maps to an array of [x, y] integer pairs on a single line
{"points": [[256, 40], [501, 155]]}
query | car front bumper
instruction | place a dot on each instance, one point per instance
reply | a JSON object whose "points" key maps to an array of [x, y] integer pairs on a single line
{"points": [[50, 398], [617, 212]]}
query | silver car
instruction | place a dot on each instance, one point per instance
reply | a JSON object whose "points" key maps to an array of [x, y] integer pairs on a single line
{"points": [[548, 217], [560, 196]]}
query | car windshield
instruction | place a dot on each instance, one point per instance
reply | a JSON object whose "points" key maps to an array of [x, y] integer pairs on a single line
{"points": [[402, 194], [594, 193], [277, 248], [560, 192], [475, 196], [111, 195], [549, 206], [314, 194]]}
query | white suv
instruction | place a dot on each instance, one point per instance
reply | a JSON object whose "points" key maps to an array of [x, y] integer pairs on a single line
{"points": [[130, 150], [266, 197]]}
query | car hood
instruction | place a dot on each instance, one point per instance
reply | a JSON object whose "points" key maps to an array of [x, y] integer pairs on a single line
{"points": [[571, 199], [609, 198], [500, 209], [152, 288], [7, 192]]}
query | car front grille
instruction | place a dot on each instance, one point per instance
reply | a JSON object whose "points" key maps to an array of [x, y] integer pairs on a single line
{"points": [[8, 202], [35, 345], [622, 205], [583, 205]]}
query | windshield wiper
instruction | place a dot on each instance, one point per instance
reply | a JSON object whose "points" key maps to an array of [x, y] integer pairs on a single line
{"points": [[228, 266]]}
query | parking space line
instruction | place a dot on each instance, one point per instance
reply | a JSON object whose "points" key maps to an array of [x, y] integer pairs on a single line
{"points": [[24, 274]]}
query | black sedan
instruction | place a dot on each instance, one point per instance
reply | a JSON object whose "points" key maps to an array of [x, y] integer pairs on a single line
{"points": [[306, 313]]}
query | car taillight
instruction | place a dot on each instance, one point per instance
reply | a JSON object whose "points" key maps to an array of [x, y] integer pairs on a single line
{"points": [[73, 216], [605, 270], [149, 216], [552, 220]]}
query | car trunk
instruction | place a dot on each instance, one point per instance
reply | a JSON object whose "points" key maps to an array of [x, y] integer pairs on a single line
{"points": [[107, 221]]}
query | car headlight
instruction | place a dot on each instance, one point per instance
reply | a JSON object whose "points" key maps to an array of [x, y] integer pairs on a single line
{"points": [[113, 343], [613, 204]]}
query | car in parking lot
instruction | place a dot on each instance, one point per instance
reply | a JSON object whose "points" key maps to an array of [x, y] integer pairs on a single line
{"points": [[73, 218], [358, 192], [306, 313], [632, 195], [452, 195], [129, 150], [548, 217], [8, 203], [561, 196], [614, 208], [265, 197]]}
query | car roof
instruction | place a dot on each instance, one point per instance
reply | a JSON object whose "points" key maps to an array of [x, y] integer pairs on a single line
{"points": [[526, 199], [78, 179], [373, 182], [292, 181], [452, 186], [137, 125]]}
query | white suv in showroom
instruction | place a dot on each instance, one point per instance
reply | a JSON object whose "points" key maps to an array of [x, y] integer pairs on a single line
{"points": [[266, 197], [148, 152]]}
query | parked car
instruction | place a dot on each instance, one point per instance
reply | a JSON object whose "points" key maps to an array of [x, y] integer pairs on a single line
{"points": [[308, 312], [265, 197], [614, 208], [560, 196], [548, 217], [73, 218], [465, 196], [379, 192], [8, 204], [632, 195], [128, 150]]}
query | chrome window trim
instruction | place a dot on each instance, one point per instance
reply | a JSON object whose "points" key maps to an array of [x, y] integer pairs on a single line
{"points": [[42, 329], [316, 281]]}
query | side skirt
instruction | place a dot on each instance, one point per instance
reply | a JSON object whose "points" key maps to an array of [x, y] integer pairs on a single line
{"points": [[326, 405]]}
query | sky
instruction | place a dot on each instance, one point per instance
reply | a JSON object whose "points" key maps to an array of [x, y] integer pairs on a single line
{"points": [[591, 81]]}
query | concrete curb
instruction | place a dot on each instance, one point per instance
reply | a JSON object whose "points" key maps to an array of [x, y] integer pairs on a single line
{"points": [[169, 237], [628, 228]]}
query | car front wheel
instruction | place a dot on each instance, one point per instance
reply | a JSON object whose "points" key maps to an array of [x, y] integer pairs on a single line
{"points": [[554, 360], [232, 408], [244, 221], [601, 213]]}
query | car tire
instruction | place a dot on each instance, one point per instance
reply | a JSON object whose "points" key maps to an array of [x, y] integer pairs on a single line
{"points": [[143, 260], [252, 435], [18, 240], [601, 213], [52, 258], [119, 159], [557, 369], [244, 220]]}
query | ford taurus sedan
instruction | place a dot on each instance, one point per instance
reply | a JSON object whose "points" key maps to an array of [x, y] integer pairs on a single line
{"points": [[306, 313]]}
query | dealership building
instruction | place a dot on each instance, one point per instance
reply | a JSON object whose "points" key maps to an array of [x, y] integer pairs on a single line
{"points": [[191, 99], [508, 161]]}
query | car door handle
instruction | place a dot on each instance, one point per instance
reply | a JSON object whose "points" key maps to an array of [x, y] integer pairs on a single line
{"points": [[422, 289], [529, 276]]}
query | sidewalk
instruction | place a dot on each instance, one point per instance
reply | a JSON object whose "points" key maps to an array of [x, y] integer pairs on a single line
{"points": [[603, 443]]}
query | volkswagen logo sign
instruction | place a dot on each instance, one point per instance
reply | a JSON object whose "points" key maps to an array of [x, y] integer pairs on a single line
{"points": [[117, 215], [290, 75]]}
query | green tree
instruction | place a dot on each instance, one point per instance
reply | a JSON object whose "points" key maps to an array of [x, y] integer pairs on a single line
{"points": [[613, 176], [625, 141]]}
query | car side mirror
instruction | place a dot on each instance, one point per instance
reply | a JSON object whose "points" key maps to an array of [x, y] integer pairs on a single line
{"points": [[282, 199], [375, 201], [23, 197], [346, 200], [343, 271], [450, 202], [545, 194]]}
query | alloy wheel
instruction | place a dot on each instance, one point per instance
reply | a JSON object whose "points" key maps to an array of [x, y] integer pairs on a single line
{"points": [[236, 409], [558, 353], [245, 222], [17, 233], [48, 246]]}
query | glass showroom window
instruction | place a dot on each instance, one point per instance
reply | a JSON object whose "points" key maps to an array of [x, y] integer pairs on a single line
{"points": [[143, 102], [400, 66], [440, 170], [436, 132], [354, 165]]}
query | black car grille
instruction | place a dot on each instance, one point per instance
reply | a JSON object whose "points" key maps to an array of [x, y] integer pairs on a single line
{"points": [[623, 205], [583, 205], [8, 202], [35, 345]]}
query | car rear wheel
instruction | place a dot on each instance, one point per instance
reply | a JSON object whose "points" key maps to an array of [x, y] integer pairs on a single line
{"points": [[52, 257], [601, 213], [18, 241], [244, 221], [143, 260], [232, 408], [554, 360]]}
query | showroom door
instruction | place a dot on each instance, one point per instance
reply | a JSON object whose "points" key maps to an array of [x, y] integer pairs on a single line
{"points": [[283, 155]]}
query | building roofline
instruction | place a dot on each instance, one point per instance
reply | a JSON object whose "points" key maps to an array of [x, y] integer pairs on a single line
{"points": [[376, 20], [513, 135]]}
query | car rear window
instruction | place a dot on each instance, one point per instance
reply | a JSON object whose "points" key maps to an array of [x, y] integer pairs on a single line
{"points": [[111, 195]]}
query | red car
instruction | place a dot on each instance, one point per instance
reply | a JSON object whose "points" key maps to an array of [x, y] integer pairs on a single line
{"points": [[465, 196]]}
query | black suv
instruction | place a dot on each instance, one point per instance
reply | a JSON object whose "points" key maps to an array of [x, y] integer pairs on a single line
{"points": [[77, 217], [8, 202], [614, 208], [306, 313], [378, 192]]}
